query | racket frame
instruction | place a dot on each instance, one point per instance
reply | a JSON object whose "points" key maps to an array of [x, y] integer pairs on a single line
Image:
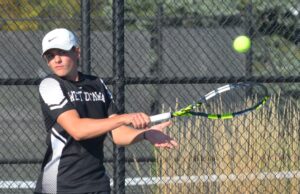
{"points": [[188, 111]]}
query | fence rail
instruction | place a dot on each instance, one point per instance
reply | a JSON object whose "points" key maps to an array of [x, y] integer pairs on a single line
{"points": [[174, 80], [141, 181]]}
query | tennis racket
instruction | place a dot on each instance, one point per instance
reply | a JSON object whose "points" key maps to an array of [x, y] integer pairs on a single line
{"points": [[225, 102]]}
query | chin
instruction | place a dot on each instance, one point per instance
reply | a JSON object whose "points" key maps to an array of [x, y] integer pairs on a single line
{"points": [[60, 74]]}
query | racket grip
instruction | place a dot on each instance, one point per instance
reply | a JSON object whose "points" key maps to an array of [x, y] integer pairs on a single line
{"points": [[160, 117]]}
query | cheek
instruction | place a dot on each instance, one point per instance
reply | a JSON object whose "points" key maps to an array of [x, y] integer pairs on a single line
{"points": [[72, 61], [51, 66], [69, 64]]}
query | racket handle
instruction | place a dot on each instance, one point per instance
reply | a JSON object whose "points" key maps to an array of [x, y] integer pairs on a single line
{"points": [[160, 117]]}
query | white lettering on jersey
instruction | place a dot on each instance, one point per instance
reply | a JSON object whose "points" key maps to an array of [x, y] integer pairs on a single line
{"points": [[86, 96]]}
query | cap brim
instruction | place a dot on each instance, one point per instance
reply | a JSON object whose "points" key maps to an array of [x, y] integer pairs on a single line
{"points": [[61, 47]]}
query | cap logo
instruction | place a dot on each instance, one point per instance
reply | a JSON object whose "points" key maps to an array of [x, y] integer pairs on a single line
{"points": [[52, 39]]}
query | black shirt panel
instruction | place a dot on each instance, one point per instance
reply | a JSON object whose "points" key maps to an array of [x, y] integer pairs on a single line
{"points": [[71, 165]]}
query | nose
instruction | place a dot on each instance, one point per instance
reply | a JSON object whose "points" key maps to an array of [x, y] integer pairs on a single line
{"points": [[57, 58]]}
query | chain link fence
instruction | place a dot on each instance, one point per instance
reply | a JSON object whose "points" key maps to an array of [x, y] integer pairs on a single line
{"points": [[158, 56]]}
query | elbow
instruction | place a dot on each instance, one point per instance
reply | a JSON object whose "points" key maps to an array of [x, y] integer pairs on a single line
{"points": [[73, 125], [78, 134], [78, 137]]}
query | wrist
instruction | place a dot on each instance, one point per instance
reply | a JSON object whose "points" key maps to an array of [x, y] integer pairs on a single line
{"points": [[123, 119]]}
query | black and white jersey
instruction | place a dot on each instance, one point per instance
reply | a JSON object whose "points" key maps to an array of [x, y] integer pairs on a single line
{"points": [[72, 166]]}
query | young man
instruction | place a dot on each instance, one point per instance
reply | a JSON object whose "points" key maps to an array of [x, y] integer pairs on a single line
{"points": [[79, 111]]}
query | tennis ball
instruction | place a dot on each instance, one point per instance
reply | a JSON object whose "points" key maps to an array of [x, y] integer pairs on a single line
{"points": [[241, 44]]}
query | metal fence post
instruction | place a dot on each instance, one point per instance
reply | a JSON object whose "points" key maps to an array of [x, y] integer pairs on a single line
{"points": [[119, 90], [85, 36], [157, 46]]}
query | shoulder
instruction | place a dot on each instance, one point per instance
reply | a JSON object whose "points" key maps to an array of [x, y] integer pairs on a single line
{"points": [[48, 81], [50, 86]]}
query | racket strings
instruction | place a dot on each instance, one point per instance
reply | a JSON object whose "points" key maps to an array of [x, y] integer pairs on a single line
{"points": [[187, 110], [235, 101], [227, 102]]}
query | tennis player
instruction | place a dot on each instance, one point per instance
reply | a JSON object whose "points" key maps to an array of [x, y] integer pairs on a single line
{"points": [[79, 112]]}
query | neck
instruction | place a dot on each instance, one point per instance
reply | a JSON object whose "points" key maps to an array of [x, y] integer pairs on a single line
{"points": [[72, 77]]}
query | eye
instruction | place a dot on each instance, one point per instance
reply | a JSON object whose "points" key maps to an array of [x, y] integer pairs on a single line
{"points": [[62, 52], [49, 56]]}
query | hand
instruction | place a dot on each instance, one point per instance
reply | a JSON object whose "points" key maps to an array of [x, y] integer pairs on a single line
{"points": [[137, 120], [158, 138]]}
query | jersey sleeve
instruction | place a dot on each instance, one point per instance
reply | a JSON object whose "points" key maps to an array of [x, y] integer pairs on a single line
{"points": [[53, 97]]}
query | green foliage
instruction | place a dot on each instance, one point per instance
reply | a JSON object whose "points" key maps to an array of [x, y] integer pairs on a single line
{"points": [[18, 14], [25, 14], [32, 14]]}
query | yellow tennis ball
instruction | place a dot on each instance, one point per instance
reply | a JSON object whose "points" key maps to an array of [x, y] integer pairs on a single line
{"points": [[241, 44]]}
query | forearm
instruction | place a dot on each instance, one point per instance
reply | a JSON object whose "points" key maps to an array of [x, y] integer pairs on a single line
{"points": [[89, 128], [155, 135], [126, 135], [85, 128]]}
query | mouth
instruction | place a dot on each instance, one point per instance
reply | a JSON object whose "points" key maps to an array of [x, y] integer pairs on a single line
{"points": [[59, 67]]}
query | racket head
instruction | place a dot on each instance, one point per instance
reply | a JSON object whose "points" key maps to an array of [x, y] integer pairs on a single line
{"points": [[228, 101]]}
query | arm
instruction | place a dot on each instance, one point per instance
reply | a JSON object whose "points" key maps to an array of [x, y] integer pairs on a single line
{"points": [[85, 128], [125, 135], [61, 109]]}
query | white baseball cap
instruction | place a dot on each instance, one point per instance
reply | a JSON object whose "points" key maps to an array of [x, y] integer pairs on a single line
{"points": [[59, 38]]}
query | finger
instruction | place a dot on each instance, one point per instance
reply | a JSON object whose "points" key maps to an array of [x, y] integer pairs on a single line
{"points": [[145, 119], [171, 144], [166, 124], [174, 143], [168, 144], [161, 145], [162, 125], [145, 116], [139, 121]]}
